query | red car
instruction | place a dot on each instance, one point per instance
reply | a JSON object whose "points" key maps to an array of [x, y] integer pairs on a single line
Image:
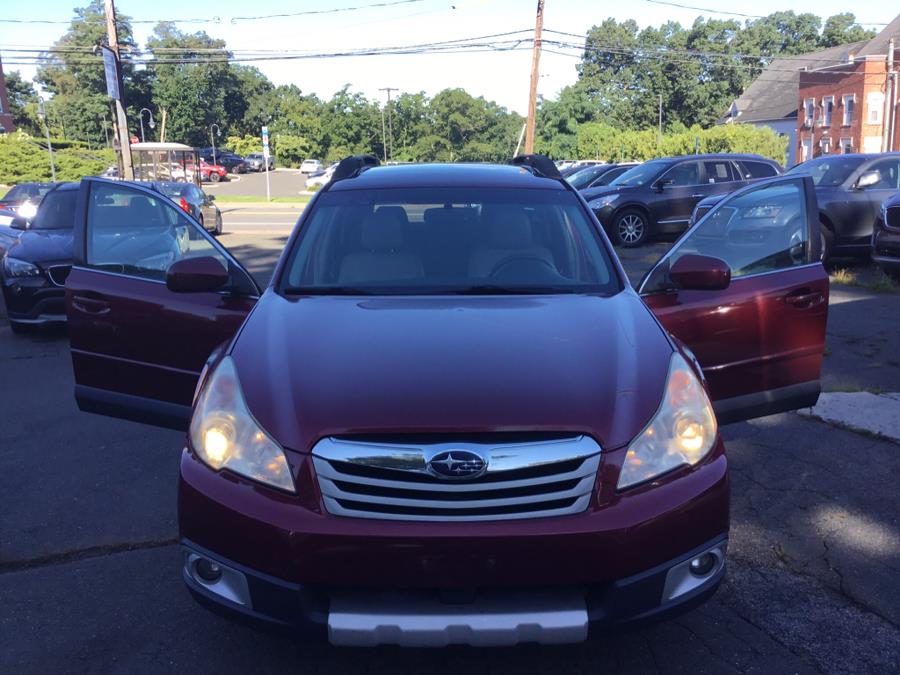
{"points": [[208, 172], [449, 417]]}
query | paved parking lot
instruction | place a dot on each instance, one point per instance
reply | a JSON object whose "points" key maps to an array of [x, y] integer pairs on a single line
{"points": [[90, 570]]}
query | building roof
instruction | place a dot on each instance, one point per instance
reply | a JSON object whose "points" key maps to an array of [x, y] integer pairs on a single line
{"points": [[773, 95], [878, 45]]}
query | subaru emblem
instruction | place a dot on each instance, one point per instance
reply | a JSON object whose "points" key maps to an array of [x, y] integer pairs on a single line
{"points": [[457, 464]]}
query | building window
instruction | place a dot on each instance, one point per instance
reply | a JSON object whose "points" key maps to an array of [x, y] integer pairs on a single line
{"points": [[875, 105], [846, 146], [825, 146], [849, 101], [827, 110], [809, 111]]}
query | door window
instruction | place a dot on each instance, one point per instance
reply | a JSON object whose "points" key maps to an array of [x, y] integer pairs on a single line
{"points": [[889, 170], [752, 169], [140, 234], [762, 230], [684, 174], [718, 171]]}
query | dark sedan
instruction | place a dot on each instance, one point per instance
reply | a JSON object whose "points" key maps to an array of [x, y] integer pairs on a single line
{"points": [[194, 201], [25, 198], [659, 196], [233, 163], [850, 190], [886, 237], [36, 265]]}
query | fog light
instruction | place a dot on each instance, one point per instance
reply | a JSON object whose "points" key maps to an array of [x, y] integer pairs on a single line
{"points": [[703, 564], [207, 570]]}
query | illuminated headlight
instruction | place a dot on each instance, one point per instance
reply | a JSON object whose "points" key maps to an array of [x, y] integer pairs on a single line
{"points": [[682, 431], [13, 268], [225, 436], [600, 202], [27, 210]]}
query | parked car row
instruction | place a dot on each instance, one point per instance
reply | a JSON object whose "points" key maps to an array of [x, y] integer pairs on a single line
{"points": [[36, 254]]}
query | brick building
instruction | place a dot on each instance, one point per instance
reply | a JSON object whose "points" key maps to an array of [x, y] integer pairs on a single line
{"points": [[851, 106], [6, 121]]}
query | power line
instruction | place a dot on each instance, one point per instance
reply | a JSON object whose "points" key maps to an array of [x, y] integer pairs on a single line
{"points": [[334, 10], [727, 13]]}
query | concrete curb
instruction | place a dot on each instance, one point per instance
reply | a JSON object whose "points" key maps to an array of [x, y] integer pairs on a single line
{"points": [[877, 414]]}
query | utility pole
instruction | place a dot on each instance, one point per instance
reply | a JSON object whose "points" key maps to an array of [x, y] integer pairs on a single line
{"points": [[112, 36], [42, 114], [890, 102], [535, 75], [383, 136], [659, 133], [390, 120]]}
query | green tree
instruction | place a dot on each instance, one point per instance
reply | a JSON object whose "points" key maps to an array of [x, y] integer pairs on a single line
{"points": [[22, 103], [842, 29]]}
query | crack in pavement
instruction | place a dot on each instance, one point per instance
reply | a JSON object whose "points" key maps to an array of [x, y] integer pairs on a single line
{"points": [[7, 566]]}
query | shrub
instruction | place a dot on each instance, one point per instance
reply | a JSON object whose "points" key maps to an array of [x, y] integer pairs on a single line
{"points": [[23, 159]]}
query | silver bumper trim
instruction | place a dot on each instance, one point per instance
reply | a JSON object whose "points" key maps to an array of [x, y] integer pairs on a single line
{"points": [[411, 620]]}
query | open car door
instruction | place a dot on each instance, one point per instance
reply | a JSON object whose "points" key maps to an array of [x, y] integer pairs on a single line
{"points": [[745, 291], [140, 333]]}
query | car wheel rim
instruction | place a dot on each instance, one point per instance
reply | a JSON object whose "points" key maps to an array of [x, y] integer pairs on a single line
{"points": [[631, 229]]}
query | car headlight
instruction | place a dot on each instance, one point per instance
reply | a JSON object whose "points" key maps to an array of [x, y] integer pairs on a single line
{"points": [[600, 202], [27, 210], [225, 436], [682, 431], [13, 268]]}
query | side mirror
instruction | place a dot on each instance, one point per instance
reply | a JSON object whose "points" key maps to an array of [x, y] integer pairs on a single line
{"points": [[700, 273], [19, 223], [203, 274], [661, 184], [868, 179], [211, 198]]}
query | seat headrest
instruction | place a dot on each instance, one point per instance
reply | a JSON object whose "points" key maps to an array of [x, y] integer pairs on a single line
{"points": [[508, 226], [383, 230]]}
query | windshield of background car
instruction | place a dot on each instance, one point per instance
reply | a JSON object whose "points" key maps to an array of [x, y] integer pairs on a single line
{"points": [[57, 211], [27, 191], [828, 171], [582, 178], [432, 241], [640, 175], [176, 189]]}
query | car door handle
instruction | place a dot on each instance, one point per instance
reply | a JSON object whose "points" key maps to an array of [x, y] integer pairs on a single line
{"points": [[804, 298], [89, 305]]}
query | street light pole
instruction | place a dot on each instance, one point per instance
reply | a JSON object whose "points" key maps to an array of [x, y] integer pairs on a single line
{"points": [[152, 124], [212, 138], [390, 120], [42, 114]]}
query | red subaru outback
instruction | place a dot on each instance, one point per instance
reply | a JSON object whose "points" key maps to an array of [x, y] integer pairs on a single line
{"points": [[449, 418]]}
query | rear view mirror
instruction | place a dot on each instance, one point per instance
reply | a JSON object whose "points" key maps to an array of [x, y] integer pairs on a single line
{"points": [[661, 184], [196, 275], [700, 273], [868, 179]]}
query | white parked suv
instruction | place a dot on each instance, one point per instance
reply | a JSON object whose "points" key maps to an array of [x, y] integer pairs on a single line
{"points": [[310, 166]]}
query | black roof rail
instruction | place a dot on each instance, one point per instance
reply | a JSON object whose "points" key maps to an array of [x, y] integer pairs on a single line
{"points": [[541, 165], [351, 167]]}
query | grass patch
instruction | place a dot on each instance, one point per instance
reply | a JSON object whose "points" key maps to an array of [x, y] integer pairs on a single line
{"points": [[844, 277], [883, 284], [243, 199], [854, 389]]}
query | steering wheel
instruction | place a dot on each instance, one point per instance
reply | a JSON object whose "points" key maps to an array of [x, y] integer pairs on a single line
{"points": [[506, 262]]}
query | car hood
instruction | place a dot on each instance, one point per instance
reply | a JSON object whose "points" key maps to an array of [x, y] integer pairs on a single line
{"points": [[39, 246], [313, 367], [602, 190]]}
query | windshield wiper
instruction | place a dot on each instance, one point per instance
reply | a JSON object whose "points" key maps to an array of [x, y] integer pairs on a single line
{"points": [[493, 289], [329, 290]]}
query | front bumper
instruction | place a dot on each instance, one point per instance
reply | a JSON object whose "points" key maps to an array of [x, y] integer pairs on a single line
{"points": [[886, 247], [294, 561], [34, 300]]}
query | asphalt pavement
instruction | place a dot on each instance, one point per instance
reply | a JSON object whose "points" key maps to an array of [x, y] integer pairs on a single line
{"points": [[90, 569], [282, 183]]}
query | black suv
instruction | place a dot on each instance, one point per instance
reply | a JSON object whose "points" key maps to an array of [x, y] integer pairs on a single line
{"points": [[658, 196], [233, 163], [850, 190]]}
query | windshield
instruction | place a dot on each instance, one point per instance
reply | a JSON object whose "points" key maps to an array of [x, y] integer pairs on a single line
{"points": [[431, 241], [582, 178], [175, 189], [57, 211], [32, 191], [640, 175], [828, 171]]}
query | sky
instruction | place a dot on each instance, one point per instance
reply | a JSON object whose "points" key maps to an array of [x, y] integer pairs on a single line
{"points": [[498, 76]]}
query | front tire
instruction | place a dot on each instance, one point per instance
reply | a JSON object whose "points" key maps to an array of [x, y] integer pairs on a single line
{"points": [[218, 229], [214, 177], [826, 241], [631, 228]]}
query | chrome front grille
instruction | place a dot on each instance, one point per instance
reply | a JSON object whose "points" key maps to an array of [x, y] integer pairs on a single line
{"points": [[59, 273], [393, 481]]}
